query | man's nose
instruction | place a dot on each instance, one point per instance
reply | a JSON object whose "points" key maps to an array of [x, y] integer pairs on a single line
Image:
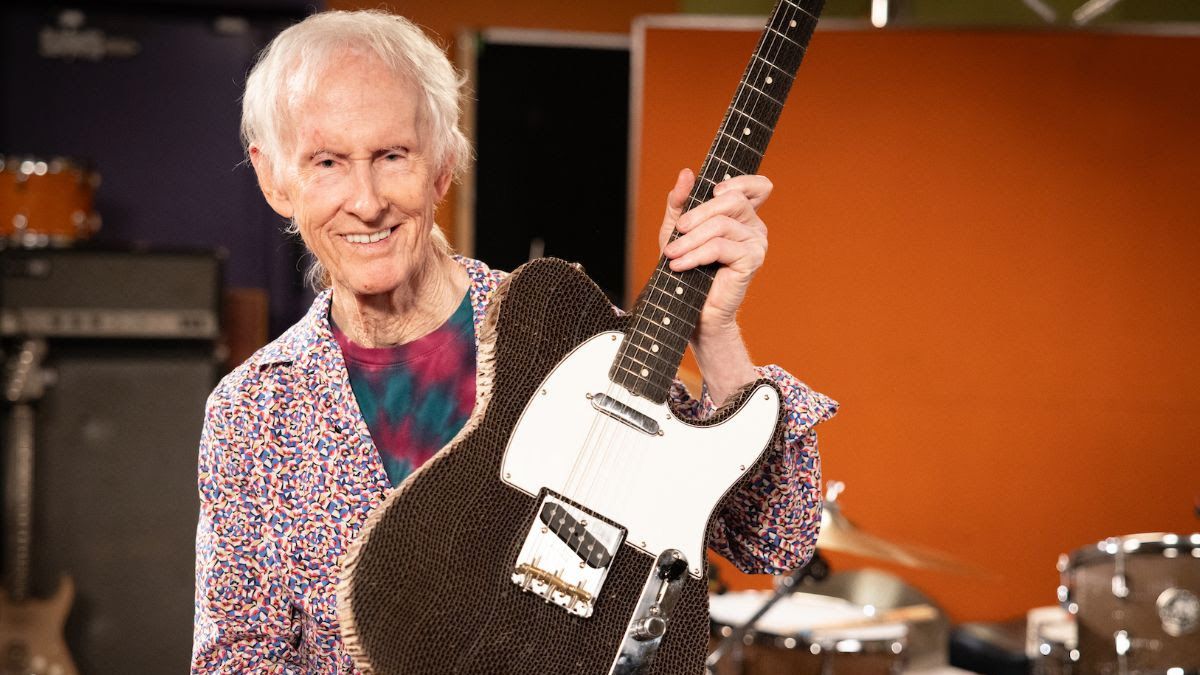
{"points": [[365, 201]]}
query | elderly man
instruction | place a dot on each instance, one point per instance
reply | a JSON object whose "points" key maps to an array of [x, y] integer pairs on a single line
{"points": [[351, 123]]}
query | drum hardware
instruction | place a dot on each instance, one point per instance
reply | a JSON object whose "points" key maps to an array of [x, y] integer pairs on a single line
{"points": [[838, 533], [1052, 642], [46, 203], [1134, 601], [882, 598], [815, 569]]}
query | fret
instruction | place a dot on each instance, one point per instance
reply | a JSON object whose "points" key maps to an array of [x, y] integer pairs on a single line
{"points": [[669, 344], [731, 166], [625, 373], [781, 71], [762, 102], [752, 118], [689, 299], [802, 9], [745, 133], [768, 79], [668, 351], [664, 362], [727, 153], [739, 142], [657, 334], [785, 37], [672, 319], [703, 271], [656, 364], [675, 309], [773, 99], [666, 348], [652, 376], [718, 172], [677, 279]]}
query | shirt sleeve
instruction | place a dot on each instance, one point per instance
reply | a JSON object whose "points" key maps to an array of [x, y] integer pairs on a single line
{"points": [[771, 525], [243, 620]]}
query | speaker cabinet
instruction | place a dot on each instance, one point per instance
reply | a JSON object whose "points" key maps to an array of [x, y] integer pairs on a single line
{"points": [[115, 499]]}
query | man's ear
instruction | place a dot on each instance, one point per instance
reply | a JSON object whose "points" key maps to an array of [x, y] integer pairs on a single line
{"points": [[276, 196], [442, 184]]}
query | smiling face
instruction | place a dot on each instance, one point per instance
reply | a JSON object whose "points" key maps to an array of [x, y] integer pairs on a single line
{"points": [[357, 179]]}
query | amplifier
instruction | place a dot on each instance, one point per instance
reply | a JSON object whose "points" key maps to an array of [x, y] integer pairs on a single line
{"points": [[102, 293]]}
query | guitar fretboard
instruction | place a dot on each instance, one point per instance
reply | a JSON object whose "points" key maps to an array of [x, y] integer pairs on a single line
{"points": [[668, 309]]}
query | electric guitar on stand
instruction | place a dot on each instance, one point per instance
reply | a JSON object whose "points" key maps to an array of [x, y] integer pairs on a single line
{"points": [[31, 630], [564, 529]]}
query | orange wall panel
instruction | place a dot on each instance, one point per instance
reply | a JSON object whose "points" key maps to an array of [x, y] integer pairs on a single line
{"points": [[446, 18], [985, 245]]}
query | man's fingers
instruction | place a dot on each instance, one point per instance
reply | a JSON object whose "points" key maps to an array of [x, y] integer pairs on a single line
{"points": [[713, 228], [675, 201], [756, 188], [733, 204]]}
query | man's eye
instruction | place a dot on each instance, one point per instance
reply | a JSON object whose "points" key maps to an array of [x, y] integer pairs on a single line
{"points": [[326, 164], [394, 157]]}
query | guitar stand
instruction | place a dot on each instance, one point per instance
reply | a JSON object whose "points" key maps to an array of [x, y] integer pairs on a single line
{"points": [[817, 568]]}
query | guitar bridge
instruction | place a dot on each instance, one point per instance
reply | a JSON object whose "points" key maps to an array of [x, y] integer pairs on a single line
{"points": [[566, 555]]}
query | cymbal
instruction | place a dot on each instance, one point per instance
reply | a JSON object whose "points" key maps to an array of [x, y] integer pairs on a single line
{"points": [[839, 534]]}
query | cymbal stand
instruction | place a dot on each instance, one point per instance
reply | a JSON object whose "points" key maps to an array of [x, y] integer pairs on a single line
{"points": [[817, 568]]}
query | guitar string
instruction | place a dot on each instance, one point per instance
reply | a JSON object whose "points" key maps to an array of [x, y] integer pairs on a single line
{"points": [[594, 445], [591, 440], [606, 454]]}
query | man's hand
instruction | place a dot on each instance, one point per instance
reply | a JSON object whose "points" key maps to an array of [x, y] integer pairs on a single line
{"points": [[725, 230]]}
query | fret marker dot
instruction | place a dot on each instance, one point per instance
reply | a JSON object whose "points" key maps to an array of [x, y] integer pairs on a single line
{"points": [[727, 176], [792, 23], [645, 372], [654, 348], [770, 79], [746, 131], [666, 321], [679, 289]]}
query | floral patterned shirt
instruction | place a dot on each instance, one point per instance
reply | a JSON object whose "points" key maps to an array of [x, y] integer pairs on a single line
{"points": [[288, 473]]}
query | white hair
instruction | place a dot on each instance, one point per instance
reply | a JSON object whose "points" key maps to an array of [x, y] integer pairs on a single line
{"points": [[290, 66]]}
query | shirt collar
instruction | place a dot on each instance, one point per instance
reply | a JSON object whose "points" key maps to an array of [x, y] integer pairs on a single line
{"points": [[312, 334]]}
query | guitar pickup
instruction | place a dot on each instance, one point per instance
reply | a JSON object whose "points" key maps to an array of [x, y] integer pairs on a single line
{"points": [[575, 535], [566, 555]]}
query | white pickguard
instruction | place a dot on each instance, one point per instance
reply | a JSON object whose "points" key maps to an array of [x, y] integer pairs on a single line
{"points": [[661, 488]]}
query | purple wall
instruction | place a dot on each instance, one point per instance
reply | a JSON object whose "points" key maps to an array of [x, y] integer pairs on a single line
{"points": [[161, 126]]}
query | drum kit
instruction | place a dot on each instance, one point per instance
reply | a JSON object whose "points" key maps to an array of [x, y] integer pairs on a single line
{"points": [[1132, 607], [858, 622], [1129, 606], [46, 202]]}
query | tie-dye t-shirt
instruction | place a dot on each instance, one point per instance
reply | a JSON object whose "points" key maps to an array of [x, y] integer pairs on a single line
{"points": [[415, 397]]}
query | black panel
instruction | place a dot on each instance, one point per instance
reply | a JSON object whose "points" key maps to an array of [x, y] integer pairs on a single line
{"points": [[552, 144]]}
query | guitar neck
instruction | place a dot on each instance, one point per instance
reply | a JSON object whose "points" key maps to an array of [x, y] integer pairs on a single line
{"points": [[23, 384], [19, 499], [668, 309]]}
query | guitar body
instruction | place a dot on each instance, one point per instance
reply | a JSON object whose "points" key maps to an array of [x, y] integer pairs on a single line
{"points": [[429, 586], [31, 631]]}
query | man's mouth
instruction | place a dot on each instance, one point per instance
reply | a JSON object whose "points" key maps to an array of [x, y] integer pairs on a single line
{"points": [[369, 238]]}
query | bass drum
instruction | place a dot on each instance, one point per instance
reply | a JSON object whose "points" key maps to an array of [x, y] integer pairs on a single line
{"points": [[46, 202], [806, 634], [1136, 601]]}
